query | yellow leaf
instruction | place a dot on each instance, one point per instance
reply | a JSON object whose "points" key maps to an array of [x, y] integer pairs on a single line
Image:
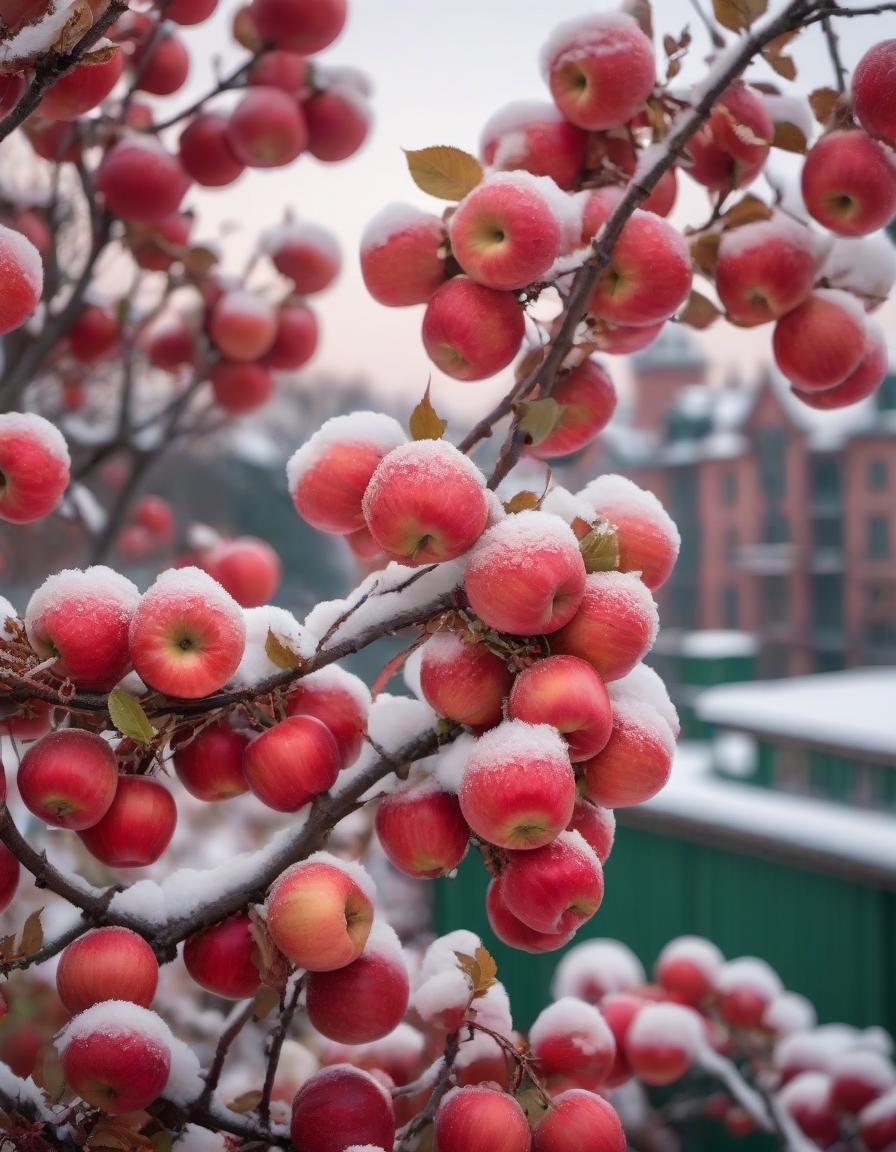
{"points": [[521, 502], [538, 418], [470, 968], [747, 210], [789, 138], [128, 716], [823, 101], [247, 1102], [488, 971], [280, 654], [699, 312], [425, 423], [32, 934], [266, 1000], [445, 172], [738, 15]]}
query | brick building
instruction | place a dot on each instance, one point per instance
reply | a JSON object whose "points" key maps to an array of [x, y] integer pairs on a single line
{"points": [[787, 516]]}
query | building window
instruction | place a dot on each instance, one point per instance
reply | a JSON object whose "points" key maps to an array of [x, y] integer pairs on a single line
{"points": [[772, 447], [877, 475], [826, 478], [878, 537], [776, 600], [730, 606], [777, 530], [791, 769], [731, 543], [886, 394], [827, 533], [729, 487]]}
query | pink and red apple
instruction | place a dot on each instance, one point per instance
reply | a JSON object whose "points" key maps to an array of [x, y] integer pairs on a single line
{"points": [[107, 964]]}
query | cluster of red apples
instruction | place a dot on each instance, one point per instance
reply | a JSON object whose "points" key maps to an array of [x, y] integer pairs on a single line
{"points": [[535, 716], [137, 165], [555, 172]]}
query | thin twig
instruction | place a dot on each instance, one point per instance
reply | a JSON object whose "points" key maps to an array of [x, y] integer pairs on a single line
{"points": [[239, 1016], [441, 1086], [275, 1047]]}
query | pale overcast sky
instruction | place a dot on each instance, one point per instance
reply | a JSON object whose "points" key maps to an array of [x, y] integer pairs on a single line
{"points": [[439, 69]]}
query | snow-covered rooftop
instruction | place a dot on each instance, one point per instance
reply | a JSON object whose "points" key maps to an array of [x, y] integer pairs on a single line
{"points": [[854, 710], [841, 836]]}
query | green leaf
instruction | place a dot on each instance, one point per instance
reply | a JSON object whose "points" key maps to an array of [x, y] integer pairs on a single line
{"points": [[280, 654], [129, 718], [738, 15], [445, 172], [600, 549], [538, 418], [425, 423]]}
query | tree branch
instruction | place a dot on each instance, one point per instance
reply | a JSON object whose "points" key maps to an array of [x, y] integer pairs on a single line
{"points": [[441, 1086], [275, 1047], [240, 1015]]}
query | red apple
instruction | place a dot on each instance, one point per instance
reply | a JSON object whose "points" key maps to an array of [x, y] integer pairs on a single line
{"points": [[338, 123], [849, 183], [857, 1078], [744, 989], [140, 181], [536, 138], [187, 635], [23, 280], [567, 693], [365, 1000], [662, 1042], [688, 967], [571, 1038], [614, 627], [587, 399], [171, 345], [511, 931], [518, 787], [648, 276], [69, 778], [319, 913], [247, 568], [156, 248], [526, 575], [209, 764], [34, 467], [267, 129], [877, 1122], [107, 964], [577, 1120], [296, 338], [821, 342], [94, 335], [299, 25], [190, 11], [765, 269], [403, 255], [339, 700], [731, 148], [425, 503], [240, 388], [307, 254], [596, 826], [600, 69], [553, 889], [339, 1108], [463, 680], [329, 474], [116, 1057], [161, 66], [422, 831], [470, 331], [807, 1100], [242, 325], [619, 1010], [291, 763], [136, 828], [219, 958], [277, 69], [862, 382], [83, 619], [9, 877], [155, 515], [637, 760], [205, 153], [82, 87], [479, 1119], [872, 91], [507, 233]]}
